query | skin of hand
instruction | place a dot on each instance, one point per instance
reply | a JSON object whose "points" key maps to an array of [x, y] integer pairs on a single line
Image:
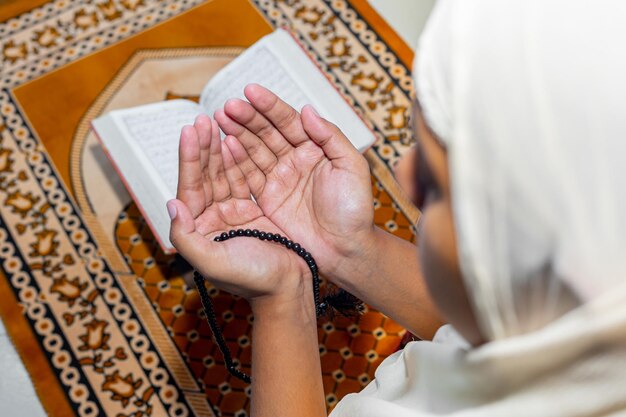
{"points": [[403, 171], [308, 178], [323, 185], [212, 197]]}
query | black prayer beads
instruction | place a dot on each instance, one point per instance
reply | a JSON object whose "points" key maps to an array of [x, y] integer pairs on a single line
{"points": [[345, 303], [320, 307]]}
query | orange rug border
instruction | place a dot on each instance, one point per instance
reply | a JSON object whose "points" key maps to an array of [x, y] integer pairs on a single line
{"points": [[16, 8], [406, 55], [384, 30]]}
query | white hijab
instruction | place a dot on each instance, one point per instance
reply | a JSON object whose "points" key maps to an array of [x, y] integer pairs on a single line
{"points": [[528, 97]]}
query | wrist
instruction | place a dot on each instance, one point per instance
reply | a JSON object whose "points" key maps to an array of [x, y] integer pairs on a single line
{"points": [[295, 302], [361, 262]]}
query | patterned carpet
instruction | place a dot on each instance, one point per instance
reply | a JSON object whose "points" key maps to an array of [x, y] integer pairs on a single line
{"points": [[106, 324]]}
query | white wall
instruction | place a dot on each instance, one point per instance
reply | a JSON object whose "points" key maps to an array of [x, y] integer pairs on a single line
{"points": [[407, 17]]}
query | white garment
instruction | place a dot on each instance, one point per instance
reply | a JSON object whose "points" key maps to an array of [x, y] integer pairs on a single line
{"points": [[527, 96]]}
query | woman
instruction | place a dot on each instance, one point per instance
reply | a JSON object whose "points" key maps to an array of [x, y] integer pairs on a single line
{"points": [[522, 236]]}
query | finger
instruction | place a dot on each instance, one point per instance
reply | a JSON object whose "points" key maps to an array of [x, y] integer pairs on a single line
{"points": [[219, 184], [250, 119], [262, 156], [253, 174], [236, 180], [199, 251], [203, 126], [284, 117], [190, 189], [333, 142]]}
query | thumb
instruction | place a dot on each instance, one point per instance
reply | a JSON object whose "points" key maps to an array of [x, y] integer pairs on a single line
{"points": [[333, 142], [199, 251], [182, 228]]}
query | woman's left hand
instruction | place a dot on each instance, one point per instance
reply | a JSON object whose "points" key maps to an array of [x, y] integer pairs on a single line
{"points": [[213, 197]]}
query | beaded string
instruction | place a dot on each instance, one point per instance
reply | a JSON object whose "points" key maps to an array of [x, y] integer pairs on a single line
{"points": [[345, 303]]}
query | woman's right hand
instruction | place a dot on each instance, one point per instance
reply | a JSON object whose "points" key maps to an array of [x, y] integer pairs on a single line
{"points": [[306, 176], [213, 198]]}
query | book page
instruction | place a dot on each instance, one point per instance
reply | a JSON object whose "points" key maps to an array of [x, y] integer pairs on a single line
{"points": [[155, 130], [279, 63], [257, 65]]}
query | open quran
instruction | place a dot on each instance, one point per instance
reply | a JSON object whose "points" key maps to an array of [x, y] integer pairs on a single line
{"points": [[142, 142]]}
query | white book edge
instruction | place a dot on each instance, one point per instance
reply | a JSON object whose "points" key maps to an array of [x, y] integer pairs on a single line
{"points": [[149, 195]]}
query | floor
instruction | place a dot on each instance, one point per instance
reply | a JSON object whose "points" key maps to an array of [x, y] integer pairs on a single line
{"points": [[17, 395]]}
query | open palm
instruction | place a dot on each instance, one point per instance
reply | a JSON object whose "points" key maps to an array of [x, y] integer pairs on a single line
{"points": [[213, 197], [304, 173]]}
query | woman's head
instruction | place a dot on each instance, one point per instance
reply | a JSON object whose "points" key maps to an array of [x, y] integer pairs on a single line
{"points": [[524, 201]]}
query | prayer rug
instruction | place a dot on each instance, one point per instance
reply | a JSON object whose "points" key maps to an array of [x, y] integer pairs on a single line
{"points": [[106, 324]]}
